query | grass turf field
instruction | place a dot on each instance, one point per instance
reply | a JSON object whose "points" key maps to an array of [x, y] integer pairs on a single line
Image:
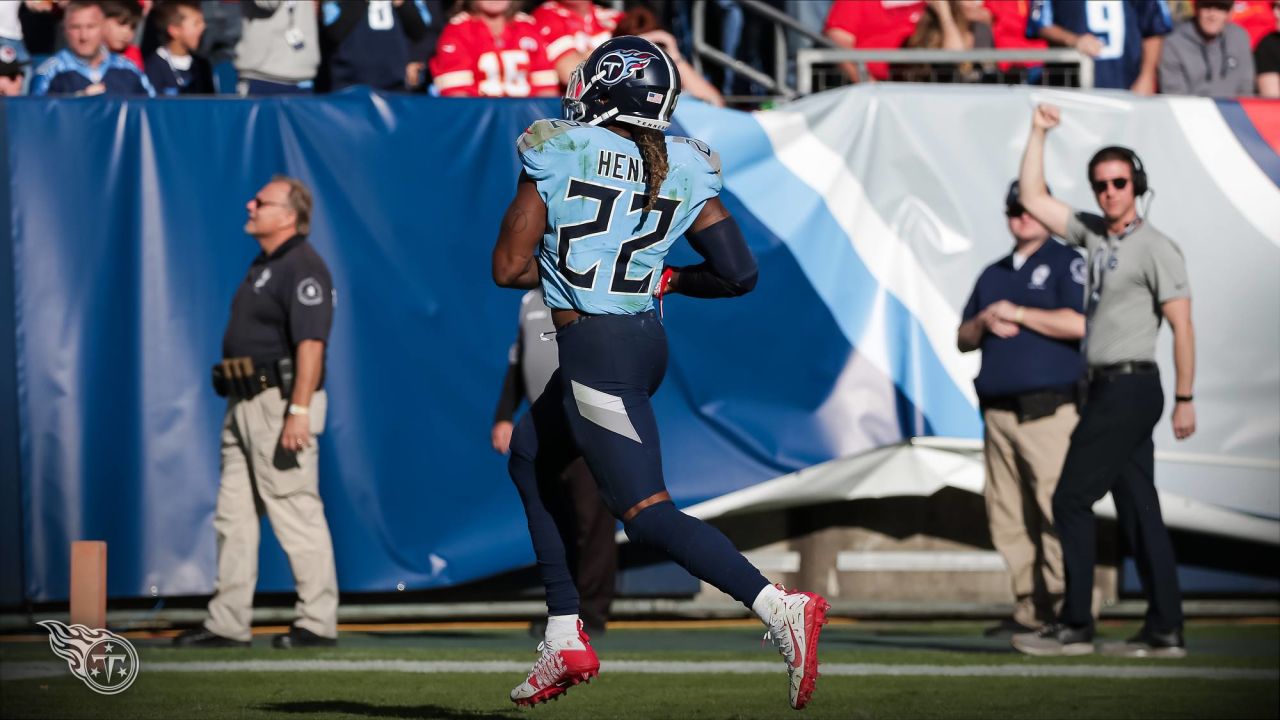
{"points": [[1233, 671]]}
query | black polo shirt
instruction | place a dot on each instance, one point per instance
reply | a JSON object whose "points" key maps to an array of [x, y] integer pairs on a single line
{"points": [[1052, 278], [286, 297]]}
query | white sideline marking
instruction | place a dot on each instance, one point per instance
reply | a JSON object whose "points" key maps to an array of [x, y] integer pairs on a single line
{"points": [[23, 671]]}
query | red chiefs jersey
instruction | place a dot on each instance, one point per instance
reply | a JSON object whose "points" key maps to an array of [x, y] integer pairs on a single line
{"points": [[1009, 28], [565, 31], [1256, 17], [876, 25], [470, 61]]}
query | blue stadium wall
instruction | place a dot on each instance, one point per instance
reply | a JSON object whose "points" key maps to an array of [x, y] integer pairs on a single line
{"points": [[122, 245]]}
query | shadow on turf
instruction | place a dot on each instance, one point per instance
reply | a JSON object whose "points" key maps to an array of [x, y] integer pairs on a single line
{"points": [[382, 711]]}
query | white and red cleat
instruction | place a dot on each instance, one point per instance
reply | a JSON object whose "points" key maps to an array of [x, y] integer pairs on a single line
{"points": [[565, 662], [795, 622]]}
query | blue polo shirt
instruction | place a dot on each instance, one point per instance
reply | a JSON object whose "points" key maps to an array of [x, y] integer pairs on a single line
{"points": [[66, 74], [1121, 25], [1052, 278]]}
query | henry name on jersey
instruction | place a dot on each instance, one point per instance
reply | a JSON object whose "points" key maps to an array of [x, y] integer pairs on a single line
{"points": [[608, 163]]}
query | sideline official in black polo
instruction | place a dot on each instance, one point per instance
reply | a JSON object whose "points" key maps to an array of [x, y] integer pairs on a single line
{"points": [[1026, 315], [272, 373]]}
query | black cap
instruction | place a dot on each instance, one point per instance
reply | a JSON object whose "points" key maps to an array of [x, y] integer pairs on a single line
{"points": [[1012, 206]]}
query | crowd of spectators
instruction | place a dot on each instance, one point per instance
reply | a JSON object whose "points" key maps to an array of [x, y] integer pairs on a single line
{"points": [[522, 48]]}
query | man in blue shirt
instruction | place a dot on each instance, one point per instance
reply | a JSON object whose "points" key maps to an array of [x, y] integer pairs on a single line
{"points": [[1124, 37], [85, 66], [1026, 315]]}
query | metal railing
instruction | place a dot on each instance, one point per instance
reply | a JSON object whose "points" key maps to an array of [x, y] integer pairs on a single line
{"points": [[808, 59]]}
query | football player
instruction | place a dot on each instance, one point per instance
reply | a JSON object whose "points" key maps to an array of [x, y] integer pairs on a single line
{"points": [[603, 195]]}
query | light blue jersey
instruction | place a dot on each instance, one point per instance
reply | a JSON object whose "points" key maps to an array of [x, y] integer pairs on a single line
{"points": [[602, 254]]}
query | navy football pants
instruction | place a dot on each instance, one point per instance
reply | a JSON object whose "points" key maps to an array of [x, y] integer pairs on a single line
{"points": [[597, 406]]}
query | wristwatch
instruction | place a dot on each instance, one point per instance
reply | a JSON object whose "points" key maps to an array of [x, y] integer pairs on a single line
{"points": [[298, 409]]}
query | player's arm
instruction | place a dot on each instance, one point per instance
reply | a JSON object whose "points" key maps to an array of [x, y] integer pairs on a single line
{"points": [[729, 269], [514, 264], [1033, 194]]}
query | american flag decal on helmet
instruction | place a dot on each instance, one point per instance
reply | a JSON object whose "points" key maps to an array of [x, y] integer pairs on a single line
{"points": [[654, 97]]}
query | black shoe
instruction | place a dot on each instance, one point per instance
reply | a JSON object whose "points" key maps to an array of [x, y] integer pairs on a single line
{"points": [[1055, 639], [1150, 644], [301, 637], [200, 637], [1007, 627]]}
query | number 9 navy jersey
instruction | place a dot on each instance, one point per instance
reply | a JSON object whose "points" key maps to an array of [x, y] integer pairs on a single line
{"points": [[601, 253]]}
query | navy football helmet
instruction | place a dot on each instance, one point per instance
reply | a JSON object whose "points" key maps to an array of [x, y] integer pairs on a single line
{"points": [[627, 79]]}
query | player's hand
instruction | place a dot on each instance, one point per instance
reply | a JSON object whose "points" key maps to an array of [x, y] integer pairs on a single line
{"points": [[94, 89], [296, 435], [500, 436], [1046, 117], [667, 283], [1089, 45], [1184, 420]]}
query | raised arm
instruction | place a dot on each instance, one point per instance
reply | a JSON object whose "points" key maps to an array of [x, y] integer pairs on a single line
{"points": [[1033, 194], [514, 264]]}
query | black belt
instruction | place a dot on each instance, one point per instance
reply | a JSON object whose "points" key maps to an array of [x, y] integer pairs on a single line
{"points": [[244, 377], [1031, 405], [1129, 367]]}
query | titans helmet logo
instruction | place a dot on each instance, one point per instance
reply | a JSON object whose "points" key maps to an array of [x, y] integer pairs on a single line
{"points": [[622, 64]]}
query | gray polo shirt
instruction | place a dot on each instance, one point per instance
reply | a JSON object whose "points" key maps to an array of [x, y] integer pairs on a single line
{"points": [[537, 358], [1221, 67], [1130, 277]]}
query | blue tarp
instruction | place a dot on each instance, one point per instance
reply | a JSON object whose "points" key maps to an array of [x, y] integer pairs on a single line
{"points": [[125, 236]]}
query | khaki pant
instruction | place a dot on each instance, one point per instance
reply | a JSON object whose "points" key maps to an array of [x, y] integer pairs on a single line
{"points": [[1023, 463], [259, 476]]}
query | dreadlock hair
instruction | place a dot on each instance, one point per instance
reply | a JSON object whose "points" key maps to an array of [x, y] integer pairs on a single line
{"points": [[653, 152]]}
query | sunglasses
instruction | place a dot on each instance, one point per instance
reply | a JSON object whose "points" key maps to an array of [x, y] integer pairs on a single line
{"points": [[1117, 183], [259, 202]]}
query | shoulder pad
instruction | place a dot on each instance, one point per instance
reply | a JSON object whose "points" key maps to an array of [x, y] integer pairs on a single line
{"points": [[543, 130], [711, 156]]}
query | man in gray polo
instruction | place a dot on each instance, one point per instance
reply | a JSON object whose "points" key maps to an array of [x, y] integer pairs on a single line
{"points": [[1137, 278]]}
